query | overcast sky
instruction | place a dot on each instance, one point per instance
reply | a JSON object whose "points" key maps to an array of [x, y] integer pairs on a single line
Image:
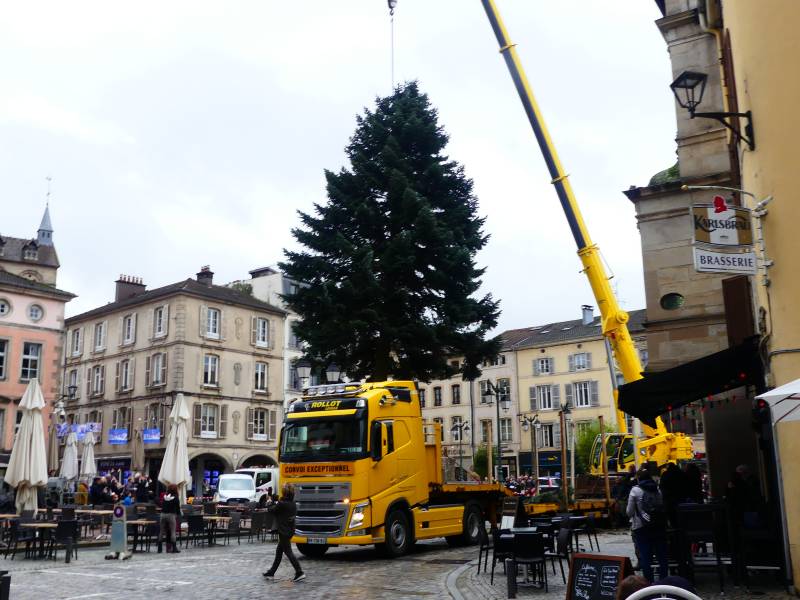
{"points": [[180, 134]]}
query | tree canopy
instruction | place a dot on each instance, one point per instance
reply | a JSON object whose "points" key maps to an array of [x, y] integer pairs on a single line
{"points": [[387, 264]]}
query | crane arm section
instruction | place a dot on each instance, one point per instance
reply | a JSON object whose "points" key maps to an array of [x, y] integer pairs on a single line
{"points": [[614, 319]]}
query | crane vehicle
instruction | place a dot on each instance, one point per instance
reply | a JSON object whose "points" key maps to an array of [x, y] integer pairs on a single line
{"points": [[622, 448]]}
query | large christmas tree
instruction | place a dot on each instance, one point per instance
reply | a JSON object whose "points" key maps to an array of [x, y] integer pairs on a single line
{"points": [[389, 260]]}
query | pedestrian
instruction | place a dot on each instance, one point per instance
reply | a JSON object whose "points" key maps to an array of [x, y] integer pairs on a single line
{"points": [[673, 491], [648, 525], [170, 511], [284, 510]]}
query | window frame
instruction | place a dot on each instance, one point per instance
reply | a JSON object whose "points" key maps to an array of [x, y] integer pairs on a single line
{"points": [[259, 415], [506, 430], [455, 428], [581, 361], [205, 419], [261, 375], [216, 333], [455, 393], [26, 356], [5, 346], [7, 303], [99, 328], [437, 395], [128, 329], [37, 306], [262, 327], [76, 342], [160, 328], [576, 395], [98, 380], [207, 370]]}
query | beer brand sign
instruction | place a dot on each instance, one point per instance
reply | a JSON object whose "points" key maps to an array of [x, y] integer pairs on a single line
{"points": [[720, 224], [311, 469]]}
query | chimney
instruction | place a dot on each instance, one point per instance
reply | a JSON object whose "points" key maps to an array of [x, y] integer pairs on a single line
{"points": [[588, 315], [205, 276], [128, 287]]}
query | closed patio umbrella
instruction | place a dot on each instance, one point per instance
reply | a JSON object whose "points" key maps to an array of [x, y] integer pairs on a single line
{"points": [[52, 448], [137, 456], [69, 464], [27, 467], [175, 466], [88, 466]]}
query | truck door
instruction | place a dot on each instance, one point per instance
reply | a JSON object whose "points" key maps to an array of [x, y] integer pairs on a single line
{"points": [[384, 470]]}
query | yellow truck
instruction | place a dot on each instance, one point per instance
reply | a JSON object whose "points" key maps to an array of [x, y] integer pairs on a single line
{"points": [[367, 470]]}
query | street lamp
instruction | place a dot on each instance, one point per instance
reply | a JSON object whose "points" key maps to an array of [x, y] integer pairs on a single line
{"points": [[532, 423], [332, 373], [461, 428], [688, 88], [492, 391], [564, 411], [303, 368]]}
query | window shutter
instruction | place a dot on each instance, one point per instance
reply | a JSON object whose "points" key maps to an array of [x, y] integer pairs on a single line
{"points": [[203, 327], [532, 397], [121, 330], [568, 393], [223, 322], [273, 424], [103, 333], [166, 319], [129, 421], [132, 373], [571, 362], [147, 371], [197, 419], [161, 414], [595, 393], [557, 439], [551, 363], [588, 360], [88, 381], [81, 336], [77, 383], [151, 323], [536, 366], [133, 328], [266, 376], [250, 423], [253, 330], [163, 368], [103, 379], [555, 394], [271, 333], [116, 375], [114, 419], [223, 420]]}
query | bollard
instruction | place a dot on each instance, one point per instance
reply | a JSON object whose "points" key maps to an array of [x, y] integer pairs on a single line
{"points": [[511, 577], [5, 585]]}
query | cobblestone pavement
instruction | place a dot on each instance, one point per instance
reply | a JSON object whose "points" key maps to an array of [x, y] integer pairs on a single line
{"points": [[432, 570]]}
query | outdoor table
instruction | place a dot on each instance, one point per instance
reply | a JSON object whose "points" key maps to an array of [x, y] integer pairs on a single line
{"points": [[40, 525], [9, 516], [138, 523], [212, 521]]}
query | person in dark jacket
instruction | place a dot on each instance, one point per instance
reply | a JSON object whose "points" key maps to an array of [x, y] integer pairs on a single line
{"points": [[649, 536], [170, 511], [143, 489], [673, 491], [284, 511]]}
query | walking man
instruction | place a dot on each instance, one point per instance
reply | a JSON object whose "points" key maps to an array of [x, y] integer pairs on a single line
{"points": [[648, 525], [170, 511], [284, 510]]}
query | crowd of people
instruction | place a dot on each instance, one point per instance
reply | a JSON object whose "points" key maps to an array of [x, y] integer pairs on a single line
{"points": [[107, 489], [523, 485]]}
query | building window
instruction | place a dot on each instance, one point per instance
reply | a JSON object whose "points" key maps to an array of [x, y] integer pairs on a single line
{"points": [[582, 361], [156, 369], [31, 361], [546, 437], [98, 379], [505, 430], [154, 417], [294, 379], [35, 312], [422, 398], [697, 426], [437, 396], [582, 391], [261, 377], [124, 376], [440, 421], [76, 342], [160, 321], [5, 307], [582, 427], [456, 390], [543, 366], [3, 360], [208, 421], [100, 336], [96, 416], [261, 424], [486, 430], [456, 428], [544, 396], [504, 389], [261, 332], [212, 323], [30, 253], [128, 329], [211, 370], [122, 418], [3, 425], [484, 387]]}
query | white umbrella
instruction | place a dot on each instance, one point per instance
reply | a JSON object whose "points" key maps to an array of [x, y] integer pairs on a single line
{"points": [[175, 466], [52, 448], [27, 467], [88, 466], [69, 463]]}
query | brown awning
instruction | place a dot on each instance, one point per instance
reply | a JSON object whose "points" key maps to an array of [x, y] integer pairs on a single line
{"points": [[658, 393]]}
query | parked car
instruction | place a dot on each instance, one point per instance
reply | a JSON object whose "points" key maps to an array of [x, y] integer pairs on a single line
{"points": [[267, 480], [548, 484], [235, 488]]}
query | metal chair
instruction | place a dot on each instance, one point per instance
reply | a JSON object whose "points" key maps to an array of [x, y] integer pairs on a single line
{"points": [[210, 508], [563, 545], [501, 550], [257, 524], [528, 549], [66, 533], [588, 529], [234, 527], [197, 528], [486, 547], [19, 535]]}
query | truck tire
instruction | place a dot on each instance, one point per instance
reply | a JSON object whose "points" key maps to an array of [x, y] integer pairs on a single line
{"points": [[472, 521], [313, 550], [398, 534]]}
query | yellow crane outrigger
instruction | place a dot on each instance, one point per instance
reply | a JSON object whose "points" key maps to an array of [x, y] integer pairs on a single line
{"points": [[658, 444]]}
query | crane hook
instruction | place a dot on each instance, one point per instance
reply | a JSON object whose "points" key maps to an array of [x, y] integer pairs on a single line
{"points": [[392, 4]]}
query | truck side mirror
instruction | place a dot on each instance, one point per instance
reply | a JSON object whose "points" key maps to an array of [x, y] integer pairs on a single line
{"points": [[376, 441]]}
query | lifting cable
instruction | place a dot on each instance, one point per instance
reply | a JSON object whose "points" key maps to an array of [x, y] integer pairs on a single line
{"points": [[392, 4]]}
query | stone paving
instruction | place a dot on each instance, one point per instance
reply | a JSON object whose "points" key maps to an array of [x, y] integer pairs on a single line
{"points": [[432, 570]]}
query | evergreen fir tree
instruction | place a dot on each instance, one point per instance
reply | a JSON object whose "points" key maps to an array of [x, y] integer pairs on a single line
{"points": [[390, 258]]}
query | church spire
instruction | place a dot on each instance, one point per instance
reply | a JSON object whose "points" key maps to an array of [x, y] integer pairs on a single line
{"points": [[45, 234]]}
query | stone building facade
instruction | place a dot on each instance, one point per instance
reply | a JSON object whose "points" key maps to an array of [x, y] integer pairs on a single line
{"points": [[219, 347]]}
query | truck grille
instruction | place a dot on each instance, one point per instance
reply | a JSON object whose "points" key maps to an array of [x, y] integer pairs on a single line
{"points": [[320, 510]]}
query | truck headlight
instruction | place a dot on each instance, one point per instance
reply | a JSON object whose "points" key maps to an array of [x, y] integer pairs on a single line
{"points": [[359, 512]]}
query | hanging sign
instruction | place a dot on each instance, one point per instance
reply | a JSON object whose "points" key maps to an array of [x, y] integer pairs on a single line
{"points": [[721, 224], [717, 261], [63, 429], [118, 436], [151, 436]]}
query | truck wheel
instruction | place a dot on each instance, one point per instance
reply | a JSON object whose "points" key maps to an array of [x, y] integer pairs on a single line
{"points": [[313, 550], [472, 521], [398, 534]]}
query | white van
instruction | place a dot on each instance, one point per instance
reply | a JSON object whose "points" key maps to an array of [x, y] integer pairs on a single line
{"points": [[235, 488], [266, 480]]}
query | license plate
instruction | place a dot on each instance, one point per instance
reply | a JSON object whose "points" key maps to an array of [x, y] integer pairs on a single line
{"points": [[317, 540]]}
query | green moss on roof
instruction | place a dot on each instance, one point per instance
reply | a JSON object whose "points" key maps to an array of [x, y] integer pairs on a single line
{"points": [[666, 176]]}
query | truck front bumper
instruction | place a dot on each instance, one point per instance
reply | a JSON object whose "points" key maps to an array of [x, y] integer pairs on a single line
{"points": [[349, 540]]}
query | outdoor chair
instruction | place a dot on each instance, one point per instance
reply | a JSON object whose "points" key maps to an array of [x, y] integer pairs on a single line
{"points": [[563, 544], [234, 528], [485, 548], [210, 508], [20, 535], [66, 533], [528, 549], [257, 524], [501, 550], [68, 513], [588, 529], [196, 529], [152, 531], [270, 525], [27, 514]]}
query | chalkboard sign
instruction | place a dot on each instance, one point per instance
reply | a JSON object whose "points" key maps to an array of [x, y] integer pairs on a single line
{"points": [[596, 576], [513, 514]]}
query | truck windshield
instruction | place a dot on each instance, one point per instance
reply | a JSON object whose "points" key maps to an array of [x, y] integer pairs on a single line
{"points": [[324, 439]]}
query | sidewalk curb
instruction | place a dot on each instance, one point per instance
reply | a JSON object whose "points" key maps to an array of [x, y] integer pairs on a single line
{"points": [[452, 580]]}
